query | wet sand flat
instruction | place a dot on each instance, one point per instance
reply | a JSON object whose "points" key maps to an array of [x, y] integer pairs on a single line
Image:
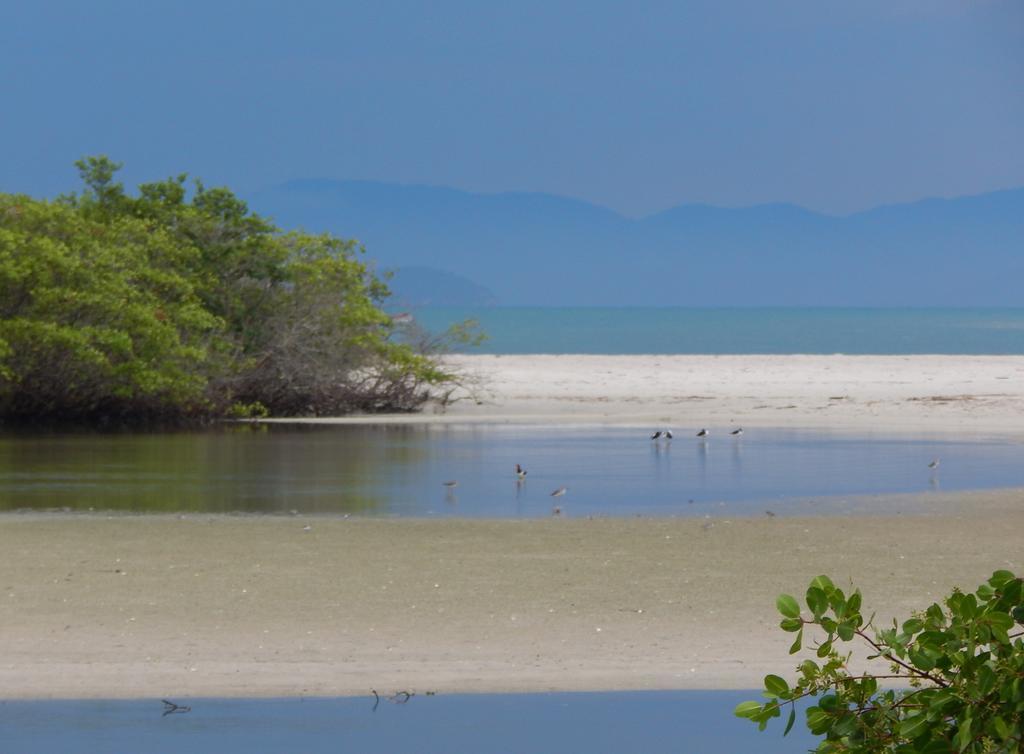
{"points": [[150, 606]]}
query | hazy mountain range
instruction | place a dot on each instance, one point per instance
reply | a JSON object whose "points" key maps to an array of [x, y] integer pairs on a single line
{"points": [[456, 247]]}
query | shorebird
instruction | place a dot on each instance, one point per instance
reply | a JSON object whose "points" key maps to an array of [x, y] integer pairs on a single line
{"points": [[668, 434], [451, 484], [559, 492], [656, 435], [934, 464], [738, 431], [520, 472], [703, 433]]}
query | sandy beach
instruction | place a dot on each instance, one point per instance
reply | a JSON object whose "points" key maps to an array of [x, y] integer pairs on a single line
{"points": [[975, 394], [185, 606], [149, 606]]}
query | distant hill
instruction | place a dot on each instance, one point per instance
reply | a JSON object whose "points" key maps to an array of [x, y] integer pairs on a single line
{"points": [[456, 247], [425, 286]]}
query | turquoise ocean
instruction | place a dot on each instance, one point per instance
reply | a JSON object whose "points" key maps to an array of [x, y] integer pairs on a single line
{"points": [[681, 330]]}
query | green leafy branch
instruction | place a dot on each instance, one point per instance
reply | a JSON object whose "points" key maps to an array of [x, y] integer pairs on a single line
{"points": [[956, 673]]}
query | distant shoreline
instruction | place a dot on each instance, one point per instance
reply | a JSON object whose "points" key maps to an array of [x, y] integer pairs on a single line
{"points": [[967, 395]]}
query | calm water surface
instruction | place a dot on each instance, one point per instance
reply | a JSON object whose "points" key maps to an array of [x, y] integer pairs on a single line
{"points": [[738, 330], [677, 721], [400, 470]]}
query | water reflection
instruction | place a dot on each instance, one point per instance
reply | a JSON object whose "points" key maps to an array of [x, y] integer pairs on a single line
{"points": [[401, 470], [237, 469]]}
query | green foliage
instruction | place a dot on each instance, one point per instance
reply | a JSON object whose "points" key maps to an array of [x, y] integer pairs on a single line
{"points": [[254, 410], [955, 680], [167, 305], [97, 317]]}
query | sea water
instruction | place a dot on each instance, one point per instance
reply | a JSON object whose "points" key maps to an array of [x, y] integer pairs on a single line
{"points": [[776, 330]]}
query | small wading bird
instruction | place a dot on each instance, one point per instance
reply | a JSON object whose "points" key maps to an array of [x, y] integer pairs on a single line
{"points": [[934, 464], [659, 435], [703, 433], [557, 511], [520, 472], [738, 431], [451, 484]]}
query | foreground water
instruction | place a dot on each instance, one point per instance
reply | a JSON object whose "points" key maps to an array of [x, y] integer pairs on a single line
{"points": [[401, 470], [668, 330], [663, 721]]}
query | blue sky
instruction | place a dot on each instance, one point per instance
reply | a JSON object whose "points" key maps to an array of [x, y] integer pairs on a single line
{"points": [[638, 106]]}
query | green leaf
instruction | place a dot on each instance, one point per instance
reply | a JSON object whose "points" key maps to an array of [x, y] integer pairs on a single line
{"points": [[1011, 592], [922, 660], [941, 700], [788, 606], [912, 727], [853, 604], [837, 600], [830, 703], [1001, 577], [985, 679], [913, 625], [776, 686], [818, 721], [789, 722], [1000, 620], [797, 643], [968, 606], [847, 724], [823, 583], [808, 667], [791, 624], [747, 709], [845, 630], [817, 601], [963, 737]]}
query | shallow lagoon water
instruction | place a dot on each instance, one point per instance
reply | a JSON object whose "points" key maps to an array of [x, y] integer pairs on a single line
{"points": [[659, 721], [391, 470]]}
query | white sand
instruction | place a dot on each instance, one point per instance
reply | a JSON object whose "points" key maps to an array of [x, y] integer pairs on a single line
{"points": [[977, 394]]}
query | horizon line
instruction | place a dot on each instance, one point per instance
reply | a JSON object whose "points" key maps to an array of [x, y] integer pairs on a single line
{"points": [[683, 205]]}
